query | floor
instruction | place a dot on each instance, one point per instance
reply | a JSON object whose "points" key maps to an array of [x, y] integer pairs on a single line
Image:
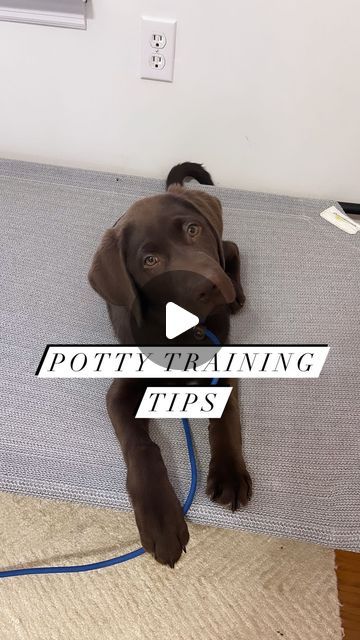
{"points": [[228, 586], [348, 577]]}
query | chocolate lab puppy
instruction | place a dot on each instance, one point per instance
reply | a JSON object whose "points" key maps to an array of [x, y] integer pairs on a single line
{"points": [[178, 233]]}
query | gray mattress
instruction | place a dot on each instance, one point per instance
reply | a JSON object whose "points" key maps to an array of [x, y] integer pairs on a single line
{"points": [[301, 278]]}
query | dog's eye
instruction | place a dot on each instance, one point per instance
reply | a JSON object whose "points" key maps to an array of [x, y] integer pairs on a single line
{"points": [[150, 261], [193, 229]]}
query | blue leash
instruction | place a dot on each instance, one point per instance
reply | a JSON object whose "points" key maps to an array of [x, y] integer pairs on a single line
{"points": [[77, 568]]}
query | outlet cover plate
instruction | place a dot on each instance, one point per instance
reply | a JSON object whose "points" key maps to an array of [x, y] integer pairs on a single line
{"points": [[149, 28]]}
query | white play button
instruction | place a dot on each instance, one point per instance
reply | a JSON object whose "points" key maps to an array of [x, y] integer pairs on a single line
{"points": [[178, 320]]}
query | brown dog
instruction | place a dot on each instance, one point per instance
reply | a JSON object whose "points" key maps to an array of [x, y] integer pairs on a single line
{"points": [[170, 239]]}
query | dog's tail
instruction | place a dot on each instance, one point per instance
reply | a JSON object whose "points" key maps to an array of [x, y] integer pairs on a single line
{"points": [[178, 174]]}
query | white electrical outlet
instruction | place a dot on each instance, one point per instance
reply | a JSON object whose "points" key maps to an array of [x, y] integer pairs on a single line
{"points": [[157, 49], [158, 40], [157, 61]]}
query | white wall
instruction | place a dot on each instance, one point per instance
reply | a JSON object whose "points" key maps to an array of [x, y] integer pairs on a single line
{"points": [[266, 93]]}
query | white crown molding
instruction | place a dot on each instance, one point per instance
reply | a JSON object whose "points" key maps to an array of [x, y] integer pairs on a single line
{"points": [[44, 12]]}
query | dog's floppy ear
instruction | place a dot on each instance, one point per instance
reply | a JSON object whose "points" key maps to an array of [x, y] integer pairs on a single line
{"points": [[208, 206], [108, 274]]}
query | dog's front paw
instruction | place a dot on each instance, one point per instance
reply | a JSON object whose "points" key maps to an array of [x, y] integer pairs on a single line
{"points": [[229, 483], [162, 527]]}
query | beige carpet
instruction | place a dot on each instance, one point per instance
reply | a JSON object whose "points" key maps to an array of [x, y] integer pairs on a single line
{"points": [[229, 586]]}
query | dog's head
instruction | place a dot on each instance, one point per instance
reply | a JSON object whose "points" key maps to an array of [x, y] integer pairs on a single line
{"points": [[177, 233]]}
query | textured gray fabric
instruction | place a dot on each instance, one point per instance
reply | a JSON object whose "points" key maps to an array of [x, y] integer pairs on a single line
{"points": [[301, 278]]}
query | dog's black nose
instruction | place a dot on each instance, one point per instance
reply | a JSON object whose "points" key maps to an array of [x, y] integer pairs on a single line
{"points": [[205, 291]]}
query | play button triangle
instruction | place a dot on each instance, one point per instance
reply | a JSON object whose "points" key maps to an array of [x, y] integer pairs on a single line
{"points": [[178, 320]]}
